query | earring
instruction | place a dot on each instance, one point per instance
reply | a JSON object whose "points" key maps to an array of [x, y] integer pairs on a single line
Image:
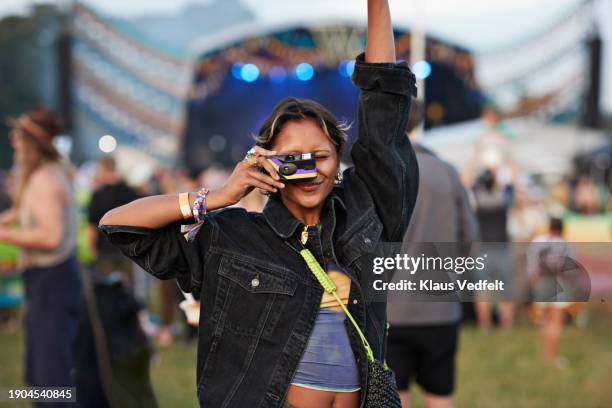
{"points": [[338, 178]]}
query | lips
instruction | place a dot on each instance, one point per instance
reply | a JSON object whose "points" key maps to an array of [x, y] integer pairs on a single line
{"points": [[309, 186]]}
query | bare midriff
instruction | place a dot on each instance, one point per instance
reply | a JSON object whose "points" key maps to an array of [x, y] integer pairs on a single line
{"points": [[301, 397]]}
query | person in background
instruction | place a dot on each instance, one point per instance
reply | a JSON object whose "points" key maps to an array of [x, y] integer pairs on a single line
{"points": [[547, 261], [526, 219], [423, 335], [111, 192], [492, 203], [45, 211], [586, 196], [561, 194], [112, 353], [171, 181]]}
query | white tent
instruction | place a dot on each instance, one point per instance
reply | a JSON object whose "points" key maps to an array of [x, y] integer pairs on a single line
{"points": [[535, 147]]}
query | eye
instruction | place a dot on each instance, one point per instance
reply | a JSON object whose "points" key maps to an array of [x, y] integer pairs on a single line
{"points": [[321, 156]]}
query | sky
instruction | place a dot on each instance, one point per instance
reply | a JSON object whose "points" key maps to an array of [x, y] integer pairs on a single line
{"points": [[478, 24]]}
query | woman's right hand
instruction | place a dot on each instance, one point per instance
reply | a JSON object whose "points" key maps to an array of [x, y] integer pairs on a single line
{"points": [[247, 176]]}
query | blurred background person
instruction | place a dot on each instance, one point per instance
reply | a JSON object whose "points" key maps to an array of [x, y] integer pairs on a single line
{"points": [[423, 336], [560, 196], [526, 218], [46, 213], [112, 353], [170, 181], [492, 203], [111, 191], [586, 198], [547, 258]]}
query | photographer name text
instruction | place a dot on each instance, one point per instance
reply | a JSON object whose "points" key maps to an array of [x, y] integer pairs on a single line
{"points": [[430, 285]]}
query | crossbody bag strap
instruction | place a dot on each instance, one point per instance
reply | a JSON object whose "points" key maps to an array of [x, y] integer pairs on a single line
{"points": [[330, 287]]}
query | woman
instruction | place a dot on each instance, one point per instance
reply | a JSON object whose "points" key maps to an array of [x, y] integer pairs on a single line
{"points": [[549, 263], [269, 336], [46, 214]]}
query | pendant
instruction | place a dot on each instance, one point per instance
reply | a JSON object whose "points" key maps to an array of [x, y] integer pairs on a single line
{"points": [[304, 235]]}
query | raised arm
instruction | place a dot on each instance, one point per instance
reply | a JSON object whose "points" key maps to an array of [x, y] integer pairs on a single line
{"points": [[384, 162], [380, 45]]}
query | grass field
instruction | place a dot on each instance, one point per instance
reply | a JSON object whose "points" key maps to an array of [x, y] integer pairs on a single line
{"points": [[495, 369]]}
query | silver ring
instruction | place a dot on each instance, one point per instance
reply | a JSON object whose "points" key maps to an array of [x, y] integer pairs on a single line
{"points": [[251, 159]]}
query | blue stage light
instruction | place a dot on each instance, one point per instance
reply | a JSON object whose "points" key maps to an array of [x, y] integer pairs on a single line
{"points": [[304, 71], [421, 69], [249, 73], [346, 68], [277, 74], [350, 68], [236, 68]]}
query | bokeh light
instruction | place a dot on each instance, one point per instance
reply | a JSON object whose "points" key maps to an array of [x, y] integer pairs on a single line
{"points": [[421, 69], [346, 68], [249, 73], [236, 70], [304, 71], [107, 144]]}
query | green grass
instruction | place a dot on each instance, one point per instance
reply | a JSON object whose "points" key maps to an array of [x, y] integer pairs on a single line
{"points": [[174, 376], [507, 369], [499, 368]]}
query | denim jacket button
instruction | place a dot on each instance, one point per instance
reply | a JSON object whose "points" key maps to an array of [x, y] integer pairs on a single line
{"points": [[367, 240], [355, 301], [255, 282]]}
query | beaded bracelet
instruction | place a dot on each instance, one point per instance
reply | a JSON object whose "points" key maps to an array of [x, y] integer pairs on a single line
{"points": [[199, 205]]}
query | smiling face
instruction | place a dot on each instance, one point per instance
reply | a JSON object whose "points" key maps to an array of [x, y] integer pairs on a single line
{"points": [[307, 136]]}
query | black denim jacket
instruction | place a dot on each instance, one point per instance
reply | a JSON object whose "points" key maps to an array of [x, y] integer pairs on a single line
{"points": [[259, 301]]}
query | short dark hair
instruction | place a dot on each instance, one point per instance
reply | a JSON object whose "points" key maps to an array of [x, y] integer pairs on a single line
{"points": [[556, 225], [291, 108]]}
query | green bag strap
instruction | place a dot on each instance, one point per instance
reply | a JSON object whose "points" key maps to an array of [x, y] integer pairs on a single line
{"points": [[330, 287]]}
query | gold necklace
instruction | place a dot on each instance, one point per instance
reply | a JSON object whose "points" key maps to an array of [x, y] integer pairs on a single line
{"points": [[304, 234]]}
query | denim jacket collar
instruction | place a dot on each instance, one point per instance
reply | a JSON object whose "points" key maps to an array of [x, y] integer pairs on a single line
{"points": [[278, 217], [282, 222]]}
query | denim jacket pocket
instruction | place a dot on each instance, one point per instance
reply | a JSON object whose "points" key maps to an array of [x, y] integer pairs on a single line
{"points": [[253, 296], [362, 241]]}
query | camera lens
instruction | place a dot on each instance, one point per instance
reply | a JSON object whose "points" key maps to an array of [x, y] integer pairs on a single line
{"points": [[287, 169]]}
